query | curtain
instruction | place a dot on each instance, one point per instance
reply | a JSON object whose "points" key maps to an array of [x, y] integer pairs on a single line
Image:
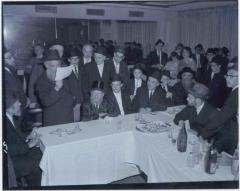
{"points": [[213, 27], [141, 32]]}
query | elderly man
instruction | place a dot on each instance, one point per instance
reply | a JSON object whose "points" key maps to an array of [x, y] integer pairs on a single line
{"points": [[97, 106], [97, 70], [55, 96], [120, 67], [151, 97], [224, 125], [157, 58], [25, 156], [87, 51], [119, 102], [197, 110]]}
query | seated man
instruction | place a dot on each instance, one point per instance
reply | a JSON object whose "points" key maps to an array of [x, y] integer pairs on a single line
{"points": [[151, 97], [25, 156], [96, 106], [224, 125], [119, 102], [55, 96], [197, 110], [137, 81]]}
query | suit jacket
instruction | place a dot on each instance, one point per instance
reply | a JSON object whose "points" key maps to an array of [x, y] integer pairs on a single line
{"points": [[90, 112], [202, 68], [179, 94], [153, 58], [132, 86], [224, 126], [123, 73], [57, 105], [25, 160], [190, 113], [168, 101], [13, 85], [91, 74], [113, 107], [217, 90], [156, 103]]}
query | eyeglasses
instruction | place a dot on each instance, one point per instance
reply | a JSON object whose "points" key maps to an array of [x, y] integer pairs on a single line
{"points": [[232, 76]]}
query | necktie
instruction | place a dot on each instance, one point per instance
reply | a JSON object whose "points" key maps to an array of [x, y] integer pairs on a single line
{"points": [[160, 58], [76, 71], [151, 94]]}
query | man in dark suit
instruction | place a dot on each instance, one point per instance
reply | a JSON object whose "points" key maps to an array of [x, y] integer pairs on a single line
{"points": [[75, 82], [157, 58], [55, 96], [96, 106], [97, 70], [151, 97], [197, 110], [137, 81], [119, 102], [25, 156], [217, 84], [224, 125], [200, 60], [120, 67], [11, 81]]}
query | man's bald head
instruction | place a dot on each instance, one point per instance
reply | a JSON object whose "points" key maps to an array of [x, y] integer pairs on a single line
{"points": [[87, 51]]}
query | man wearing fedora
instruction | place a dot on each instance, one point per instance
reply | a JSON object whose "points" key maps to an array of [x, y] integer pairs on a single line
{"points": [[55, 96], [180, 89], [224, 125], [75, 81], [96, 106], [157, 58], [119, 102], [197, 110], [22, 150], [151, 97], [97, 70], [120, 67]]}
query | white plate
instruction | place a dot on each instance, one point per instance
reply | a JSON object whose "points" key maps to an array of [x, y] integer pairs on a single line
{"points": [[153, 127]]}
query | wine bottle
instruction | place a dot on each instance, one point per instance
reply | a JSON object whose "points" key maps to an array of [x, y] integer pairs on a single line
{"points": [[235, 160], [210, 162], [182, 139]]}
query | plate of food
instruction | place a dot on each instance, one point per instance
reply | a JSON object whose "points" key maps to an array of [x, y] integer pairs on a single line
{"points": [[153, 127]]}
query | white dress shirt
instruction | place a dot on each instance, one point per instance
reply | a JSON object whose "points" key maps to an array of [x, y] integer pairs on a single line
{"points": [[100, 69], [198, 61], [10, 119], [118, 97], [85, 60], [150, 92], [117, 66], [138, 84], [212, 74], [199, 108], [160, 57], [235, 87]]}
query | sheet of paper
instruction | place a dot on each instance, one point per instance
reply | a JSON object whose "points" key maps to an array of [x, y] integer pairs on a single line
{"points": [[63, 72]]}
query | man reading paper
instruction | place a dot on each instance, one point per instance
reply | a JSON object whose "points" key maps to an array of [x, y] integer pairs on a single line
{"points": [[55, 96]]}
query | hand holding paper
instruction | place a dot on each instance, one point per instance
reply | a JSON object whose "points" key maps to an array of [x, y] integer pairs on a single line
{"points": [[63, 72]]}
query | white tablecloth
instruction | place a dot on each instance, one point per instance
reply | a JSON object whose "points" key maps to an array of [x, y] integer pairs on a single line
{"points": [[97, 153]]}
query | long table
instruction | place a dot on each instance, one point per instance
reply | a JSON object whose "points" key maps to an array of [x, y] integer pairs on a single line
{"points": [[97, 154]]}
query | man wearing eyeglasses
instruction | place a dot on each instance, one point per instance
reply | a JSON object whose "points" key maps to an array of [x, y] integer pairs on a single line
{"points": [[224, 125]]}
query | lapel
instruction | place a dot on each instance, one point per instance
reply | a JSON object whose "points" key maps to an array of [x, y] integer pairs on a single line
{"points": [[95, 69], [203, 113]]}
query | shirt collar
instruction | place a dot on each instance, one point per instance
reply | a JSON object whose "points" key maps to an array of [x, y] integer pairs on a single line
{"points": [[10, 117], [199, 108], [85, 60], [235, 87]]}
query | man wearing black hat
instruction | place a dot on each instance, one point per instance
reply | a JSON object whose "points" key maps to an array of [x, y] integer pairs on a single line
{"points": [[157, 58], [217, 84], [198, 111], [75, 82], [151, 97], [55, 96], [120, 67], [180, 89], [96, 106], [25, 156], [97, 70], [119, 102]]}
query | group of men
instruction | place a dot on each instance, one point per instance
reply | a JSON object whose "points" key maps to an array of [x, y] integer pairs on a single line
{"points": [[103, 87]]}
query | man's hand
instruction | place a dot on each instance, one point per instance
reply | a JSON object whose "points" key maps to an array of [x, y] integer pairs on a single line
{"points": [[58, 85]]}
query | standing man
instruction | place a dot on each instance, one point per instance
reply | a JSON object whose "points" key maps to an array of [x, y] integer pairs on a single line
{"points": [[97, 70], [120, 67], [87, 51], [157, 58], [55, 96]]}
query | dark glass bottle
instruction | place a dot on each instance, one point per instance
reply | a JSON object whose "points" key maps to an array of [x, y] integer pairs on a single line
{"points": [[210, 162], [182, 139]]}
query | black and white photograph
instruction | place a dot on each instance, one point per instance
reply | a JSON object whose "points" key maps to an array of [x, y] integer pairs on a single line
{"points": [[120, 95]]}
